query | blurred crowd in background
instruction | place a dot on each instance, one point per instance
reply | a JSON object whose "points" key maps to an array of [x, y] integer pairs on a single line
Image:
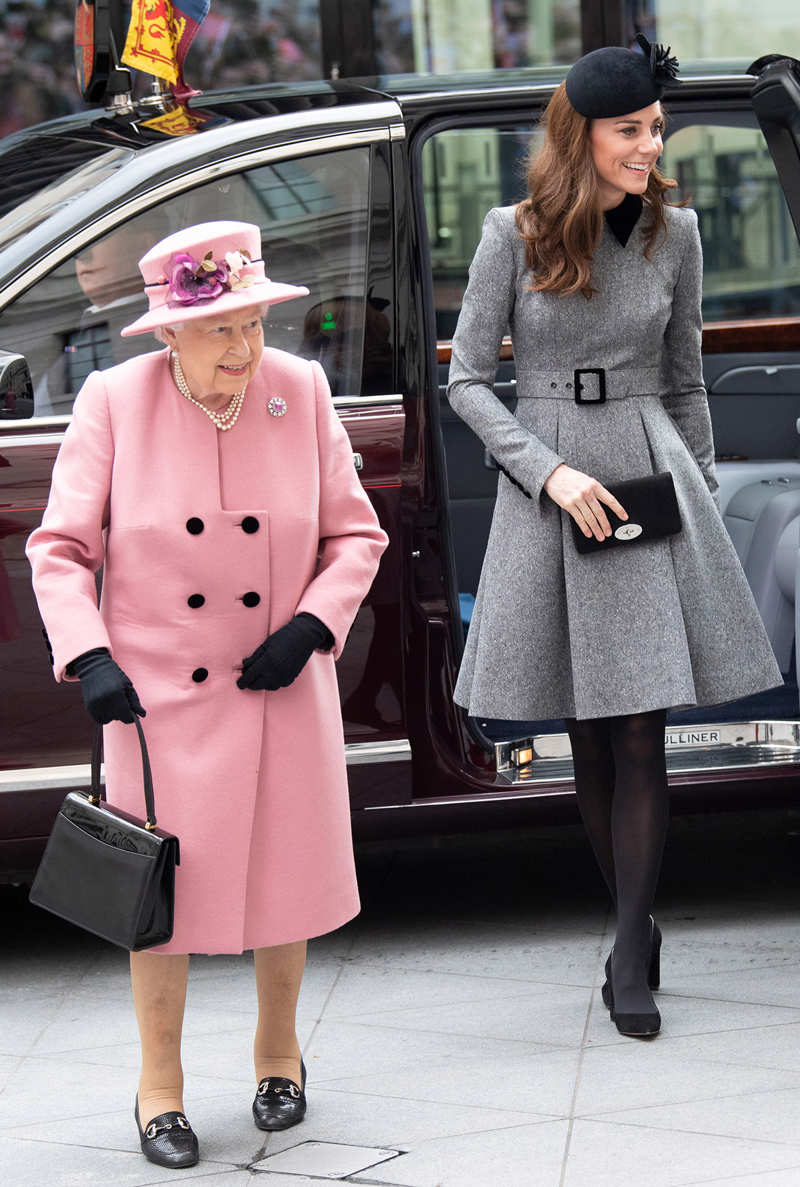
{"points": [[266, 41], [262, 41], [240, 42]]}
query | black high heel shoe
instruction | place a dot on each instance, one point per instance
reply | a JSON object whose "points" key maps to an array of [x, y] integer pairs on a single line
{"points": [[168, 1140], [639, 1025], [653, 968], [279, 1103]]}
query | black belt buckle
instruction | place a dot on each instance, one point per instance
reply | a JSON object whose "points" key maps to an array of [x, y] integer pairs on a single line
{"points": [[601, 383]]}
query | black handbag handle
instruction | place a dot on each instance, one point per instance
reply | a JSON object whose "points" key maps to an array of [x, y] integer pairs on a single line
{"points": [[98, 790]]}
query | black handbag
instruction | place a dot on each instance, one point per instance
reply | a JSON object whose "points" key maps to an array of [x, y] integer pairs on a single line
{"points": [[653, 513], [107, 871]]}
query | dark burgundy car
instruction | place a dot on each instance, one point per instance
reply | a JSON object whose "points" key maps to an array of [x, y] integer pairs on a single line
{"points": [[372, 195]]}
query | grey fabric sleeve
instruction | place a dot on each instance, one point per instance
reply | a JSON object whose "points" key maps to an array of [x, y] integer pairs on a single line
{"points": [[683, 393], [482, 322]]}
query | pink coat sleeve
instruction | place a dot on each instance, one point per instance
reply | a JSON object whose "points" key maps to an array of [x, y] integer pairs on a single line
{"points": [[351, 540], [67, 549]]}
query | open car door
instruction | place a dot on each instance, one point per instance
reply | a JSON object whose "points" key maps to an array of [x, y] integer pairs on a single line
{"points": [[776, 101]]}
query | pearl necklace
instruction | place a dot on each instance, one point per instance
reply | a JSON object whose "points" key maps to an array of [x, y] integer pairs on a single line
{"points": [[223, 420]]}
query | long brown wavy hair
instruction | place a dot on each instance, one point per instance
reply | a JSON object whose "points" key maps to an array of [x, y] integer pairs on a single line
{"points": [[561, 220]]}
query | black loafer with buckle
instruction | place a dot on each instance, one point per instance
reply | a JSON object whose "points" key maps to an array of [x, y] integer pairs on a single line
{"points": [[168, 1140], [279, 1103]]}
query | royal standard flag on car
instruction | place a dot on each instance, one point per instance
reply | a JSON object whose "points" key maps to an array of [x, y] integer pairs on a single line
{"points": [[159, 37]]}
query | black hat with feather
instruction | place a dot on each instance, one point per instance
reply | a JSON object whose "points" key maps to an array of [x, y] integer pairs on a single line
{"points": [[615, 81]]}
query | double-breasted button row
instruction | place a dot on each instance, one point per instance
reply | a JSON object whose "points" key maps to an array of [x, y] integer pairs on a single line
{"points": [[194, 526], [250, 599], [249, 524]]}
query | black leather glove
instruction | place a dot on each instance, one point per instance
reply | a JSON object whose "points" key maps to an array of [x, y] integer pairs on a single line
{"points": [[107, 692], [282, 656]]}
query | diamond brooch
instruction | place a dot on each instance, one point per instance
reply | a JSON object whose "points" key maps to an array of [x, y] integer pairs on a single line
{"points": [[277, 406]]}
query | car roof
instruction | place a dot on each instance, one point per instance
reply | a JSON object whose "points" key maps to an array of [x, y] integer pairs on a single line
{"points": [[96, 126]]}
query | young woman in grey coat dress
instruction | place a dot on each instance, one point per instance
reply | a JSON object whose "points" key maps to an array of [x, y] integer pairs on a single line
{"points": [[593, 272]]}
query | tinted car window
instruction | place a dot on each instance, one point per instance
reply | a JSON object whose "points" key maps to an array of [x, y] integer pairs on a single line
{"points": [[751, 253], [313, 213], [465, 172], [751, 256]]}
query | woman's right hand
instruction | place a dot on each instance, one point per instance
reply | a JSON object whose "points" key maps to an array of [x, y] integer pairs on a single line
{"points": [[107, 692], [583, 497]]}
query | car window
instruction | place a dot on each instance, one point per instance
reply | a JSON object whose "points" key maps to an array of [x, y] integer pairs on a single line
{"points": [[313, 214], [751, 256], [466, 171], [751, 253], [42, 174]]}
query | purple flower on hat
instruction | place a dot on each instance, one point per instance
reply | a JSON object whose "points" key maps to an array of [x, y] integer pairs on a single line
{"points": [[191, 280]]}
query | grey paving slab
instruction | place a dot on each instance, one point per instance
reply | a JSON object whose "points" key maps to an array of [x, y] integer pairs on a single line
{"points": [[605, 1154], [785, 1178], [554, 1016], [275, 1180], [348, 1049], [684, 1015], [244, 1178], [43, 973], [75, 1028], [557, 956], [525, 1156], [643, 1074], [369, 990], [375, 1120], [24, 1019], [526, 1081], [773, 985], [684, 957], [81, 1090], [762, 1046], [765, 1116], [8, 1065], [28, 1163]]}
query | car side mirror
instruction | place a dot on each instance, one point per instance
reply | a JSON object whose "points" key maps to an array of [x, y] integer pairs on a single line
{"points": [[16, 387]]}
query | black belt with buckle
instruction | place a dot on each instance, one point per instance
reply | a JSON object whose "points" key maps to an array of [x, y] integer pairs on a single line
{"points": [[601, 384]]}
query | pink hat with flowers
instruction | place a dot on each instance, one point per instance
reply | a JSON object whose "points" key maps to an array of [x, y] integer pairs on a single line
{"points": [[206, 271]]}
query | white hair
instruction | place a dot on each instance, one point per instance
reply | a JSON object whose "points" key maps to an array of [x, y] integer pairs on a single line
{"points": [[158, 332]]}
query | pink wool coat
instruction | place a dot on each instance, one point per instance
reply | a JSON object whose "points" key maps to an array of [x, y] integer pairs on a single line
{"points": [[253, 783]]}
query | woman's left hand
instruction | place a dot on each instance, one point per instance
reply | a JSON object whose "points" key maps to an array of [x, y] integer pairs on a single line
{"points": [[282, 656]]}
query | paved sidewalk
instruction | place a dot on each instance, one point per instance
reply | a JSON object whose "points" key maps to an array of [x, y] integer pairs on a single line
{"points": [[454, 1033]]}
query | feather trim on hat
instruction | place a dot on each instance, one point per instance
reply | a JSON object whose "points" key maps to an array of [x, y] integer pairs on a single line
{"points": [[663, 68]]}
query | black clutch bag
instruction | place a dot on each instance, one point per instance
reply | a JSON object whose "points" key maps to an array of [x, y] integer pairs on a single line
{"points": [[108, 871], [653, 513]]}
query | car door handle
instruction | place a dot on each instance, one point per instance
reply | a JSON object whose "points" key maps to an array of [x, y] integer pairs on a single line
{"points": [[768, 379]]}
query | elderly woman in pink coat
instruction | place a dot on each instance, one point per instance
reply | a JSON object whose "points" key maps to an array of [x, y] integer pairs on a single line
{"points": [[214, 483]]}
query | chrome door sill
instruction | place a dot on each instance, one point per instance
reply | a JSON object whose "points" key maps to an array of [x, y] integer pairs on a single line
{"points": [[690, 750]]}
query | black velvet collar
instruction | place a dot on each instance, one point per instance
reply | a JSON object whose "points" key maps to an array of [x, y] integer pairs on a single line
{"points": [[623, 218]]}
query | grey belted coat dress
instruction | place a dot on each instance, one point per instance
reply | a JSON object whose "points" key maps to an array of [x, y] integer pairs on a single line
{"points": [[667, 623]]}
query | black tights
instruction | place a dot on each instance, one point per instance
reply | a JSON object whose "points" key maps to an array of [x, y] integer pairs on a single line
{"points": [[621, 785]]}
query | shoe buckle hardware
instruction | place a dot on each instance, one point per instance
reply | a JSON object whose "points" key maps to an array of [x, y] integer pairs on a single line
{"points": [[154, 1130], [293, 1091], [601, 384]]}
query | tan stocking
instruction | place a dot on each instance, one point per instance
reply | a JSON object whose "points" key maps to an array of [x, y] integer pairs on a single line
{"points": [[159, 998], [279, 972]]}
